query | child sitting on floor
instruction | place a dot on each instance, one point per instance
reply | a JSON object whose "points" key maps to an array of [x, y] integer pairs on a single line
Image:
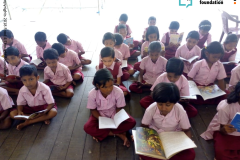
{"points": [[56, 75], [2, 68], [151, 22], [235, 78], [73, 45], [106, 100], [34, 96], [166, 115], [70, 59], [123, 20], [6, 104], [204, 35], [226, 137]]}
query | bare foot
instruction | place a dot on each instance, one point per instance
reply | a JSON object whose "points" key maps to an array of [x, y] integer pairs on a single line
{"points": [[47, 122], [125, 140], [21, 126], [95, 139]]}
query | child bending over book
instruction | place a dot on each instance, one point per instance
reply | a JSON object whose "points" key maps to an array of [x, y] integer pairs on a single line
{"points": [[42, 44], [153, 65], [151, 22], [170, 47], [2, 68], [173, 74], [235, 78], [56, 75], [226, 137], [34, 96], [189, 50], [106, 100], [206, 71], [123, 20], [166, 115], [75, 46], [70, 59], [6, 104], [204, 35], [8, 39]]}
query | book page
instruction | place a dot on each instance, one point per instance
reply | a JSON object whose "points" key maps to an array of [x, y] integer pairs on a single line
{"points": [[192, 59], [209, 92], [105, 122], [174, 142], [124, 63], [21, 116], [36, 61], [193, 89], [120, 117], [174, 38], [188, 97], [128, 41], [230, 62], [180, 37]]}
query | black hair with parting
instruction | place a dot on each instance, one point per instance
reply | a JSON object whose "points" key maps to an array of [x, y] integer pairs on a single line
{"points": [[174, 25], [59, 47], [231, 38], [101, 77], [193, 35], [118, 38], [12, 51], [62, 38], [107, 52], [108, 36], [152, 30], [50, 53], [152, 18], [154, 46], [7, 33], [213, 48], [175, 65], [40, 36], [205, 25], [123, 17], [28, 70]]}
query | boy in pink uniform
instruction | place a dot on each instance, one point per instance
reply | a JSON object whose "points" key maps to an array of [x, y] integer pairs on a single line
{"points": [[34, 96], [106, 100], [173, 74], [151, 22], [6, 104], [170, 47], [2, 66], [189, 50], [226, 137], [235, 78], [206, 71], [42, 44], [123, 20], [8, 39], [204, 35], [75, 46], [166, 115], [70, 59], [56, 75], [153, 65]]}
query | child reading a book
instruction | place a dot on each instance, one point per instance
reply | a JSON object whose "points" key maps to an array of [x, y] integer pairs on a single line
{"points": [[151, 22], [108, 61], [123, 20], [73, 45], [173, 74], [6, 104], [206, 71], [42, 44], [34, 96], [2, 63], [153, 65], [230, 52], [70, 59], [235, 78], [56, 75], [189, 50], [106, 100], [204, 35], [226, 137], [170, 47], [166, 115], [8, 39]]}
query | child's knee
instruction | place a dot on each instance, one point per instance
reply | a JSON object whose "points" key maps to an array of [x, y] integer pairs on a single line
{"points": [[131, 71], [69, 93], [125, 93], [52, 113], [13, 113], [76, 77], [26, 59]]}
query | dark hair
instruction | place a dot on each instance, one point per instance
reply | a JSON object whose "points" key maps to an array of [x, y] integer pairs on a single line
{"points": [[59, 47], [231, 38], [175, 65], [50, 53], [121, 26], [123, 17], [118, 38], [174, 25], [205, 25], [107, 52], [166, 92], [7, 33], [62, 38], [101, 77], [12, 51], [234, 97], [193, 35], [154, 46], [108, 36], [152, 30], [40, 36], [28, 70], [213, 48], [151, 18]]}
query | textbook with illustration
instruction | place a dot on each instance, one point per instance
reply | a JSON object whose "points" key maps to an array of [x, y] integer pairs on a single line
{"points": [[149, 143], [190, 59], [236, 121], [176, 38], [119, 117], [207, 92], [36, 61], [31, 116], [128, 41]]}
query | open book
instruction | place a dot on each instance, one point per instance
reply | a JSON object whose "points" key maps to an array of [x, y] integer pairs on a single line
{"points": [[233, 62], [176, 38], [31, 116], [236, 121], [128, 41], [161, 146], [124, 63], [36, 61], [190, 59], [119, 117], [189, 97], [207, 92]]}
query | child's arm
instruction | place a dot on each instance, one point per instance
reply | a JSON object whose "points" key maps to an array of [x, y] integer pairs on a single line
{"points": [[19, 109], [49, 107], [144, 125], [46, 81], [95, 113], [4, 115], [188, 132], [64, 87], [74, 67], [221, 84], [118, 109], [140, 77], [118, 80], [226, 129]]}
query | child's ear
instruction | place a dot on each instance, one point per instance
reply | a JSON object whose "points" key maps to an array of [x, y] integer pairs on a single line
{"points": [[206, 53], [97, 86], [38, 77], [114, 59]]}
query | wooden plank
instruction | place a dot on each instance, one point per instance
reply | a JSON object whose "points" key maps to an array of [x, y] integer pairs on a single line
{"points": [[108, 150]]}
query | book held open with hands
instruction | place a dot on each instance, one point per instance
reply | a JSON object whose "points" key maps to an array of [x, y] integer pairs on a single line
{"points": [[190, 59], [119, 117], [124, 63], [236, 121], [31, 116], [176, 38], [149, 143], [231, 62], [128, 41], [36, 61]]}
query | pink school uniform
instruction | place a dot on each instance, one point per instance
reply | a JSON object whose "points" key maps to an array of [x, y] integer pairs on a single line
{"points": [[129, 31], [204, 76], [6, 101], [42, 98], [118, 55], [106, 108], [2, 65], [176, 120], [184, 52], [202, 39], [235, 76], [226, 145], [40, 50], [75, 46]]}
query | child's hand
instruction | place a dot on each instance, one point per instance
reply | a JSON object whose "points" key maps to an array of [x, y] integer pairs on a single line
{"points": [[171, 44], [60, 88], [130, 46], [228, 128], [177, 45], [20, 113]]}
